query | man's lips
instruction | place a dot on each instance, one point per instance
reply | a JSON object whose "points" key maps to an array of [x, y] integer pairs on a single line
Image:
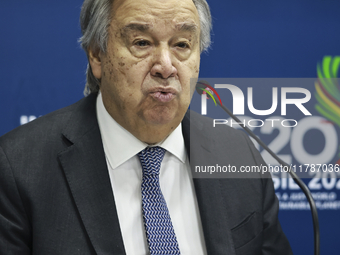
{"points": [[163, 95]]}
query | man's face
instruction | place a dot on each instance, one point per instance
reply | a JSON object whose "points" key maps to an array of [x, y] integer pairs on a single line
{"points": [[152, 52]]}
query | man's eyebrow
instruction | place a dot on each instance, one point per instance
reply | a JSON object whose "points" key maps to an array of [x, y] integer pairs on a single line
{"points": [[190, 27], [136, 27]]}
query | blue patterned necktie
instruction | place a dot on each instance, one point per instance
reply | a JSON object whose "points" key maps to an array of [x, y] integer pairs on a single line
{"points": [[160, 233]]}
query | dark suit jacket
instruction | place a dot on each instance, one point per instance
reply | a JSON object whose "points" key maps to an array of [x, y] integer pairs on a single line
{"points": [[56, 195]]}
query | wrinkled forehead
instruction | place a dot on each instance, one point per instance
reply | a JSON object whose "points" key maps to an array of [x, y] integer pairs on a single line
{"points": [[175, 13]]}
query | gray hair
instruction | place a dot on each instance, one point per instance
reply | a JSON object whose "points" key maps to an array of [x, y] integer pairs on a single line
{"points": [[95, 18]]}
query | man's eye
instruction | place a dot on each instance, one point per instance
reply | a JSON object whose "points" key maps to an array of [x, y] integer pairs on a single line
{"points": [[182, 45], [142, 43]]}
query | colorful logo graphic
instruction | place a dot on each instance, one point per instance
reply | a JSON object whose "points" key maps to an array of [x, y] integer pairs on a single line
{"points": [[328, 89]]}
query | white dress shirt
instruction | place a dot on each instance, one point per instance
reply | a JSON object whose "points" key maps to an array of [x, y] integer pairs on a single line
{"points": [[125, 170]]}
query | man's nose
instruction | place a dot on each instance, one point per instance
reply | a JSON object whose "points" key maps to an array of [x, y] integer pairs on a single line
{"points": [[163, 64]]}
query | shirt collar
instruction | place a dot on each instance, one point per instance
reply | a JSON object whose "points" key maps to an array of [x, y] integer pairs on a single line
{"points": [[120, 145]]}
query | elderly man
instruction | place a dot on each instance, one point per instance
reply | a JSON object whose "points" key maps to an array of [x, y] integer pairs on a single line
{"points": [[111, 173]]}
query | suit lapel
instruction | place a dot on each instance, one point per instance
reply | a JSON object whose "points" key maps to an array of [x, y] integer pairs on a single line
{"points": [[214, 215], [86, 172]]}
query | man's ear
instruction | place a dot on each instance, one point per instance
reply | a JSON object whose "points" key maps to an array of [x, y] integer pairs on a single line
{"points": [[96, 64]]}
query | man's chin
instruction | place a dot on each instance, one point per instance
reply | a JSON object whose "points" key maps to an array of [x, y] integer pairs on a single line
{"points": [[164, 118], [161, 121]]}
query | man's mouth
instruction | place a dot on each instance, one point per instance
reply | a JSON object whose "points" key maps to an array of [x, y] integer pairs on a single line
{"points": [[163, 95]]}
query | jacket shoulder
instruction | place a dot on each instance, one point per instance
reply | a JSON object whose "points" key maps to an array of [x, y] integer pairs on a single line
{"points": [[42, 130]]}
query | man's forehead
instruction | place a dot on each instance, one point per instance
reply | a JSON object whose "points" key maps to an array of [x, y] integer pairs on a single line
{"points": [[180, 14]]}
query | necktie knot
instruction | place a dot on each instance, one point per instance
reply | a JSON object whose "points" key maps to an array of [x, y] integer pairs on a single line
{"points": [[151, 159]]}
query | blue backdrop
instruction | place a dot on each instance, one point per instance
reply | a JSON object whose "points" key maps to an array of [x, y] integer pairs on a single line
{"points": [[42, 69]]}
